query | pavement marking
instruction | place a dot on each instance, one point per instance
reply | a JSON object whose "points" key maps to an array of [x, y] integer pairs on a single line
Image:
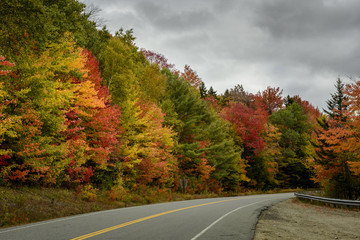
{"points": [[30, 225], [105, 230], [222, 217]]}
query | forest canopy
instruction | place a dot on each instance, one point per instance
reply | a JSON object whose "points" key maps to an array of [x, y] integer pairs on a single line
{"points": [[81, 106]]}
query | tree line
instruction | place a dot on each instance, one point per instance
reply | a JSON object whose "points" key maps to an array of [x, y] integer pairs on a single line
{"points": [[80, 106]]}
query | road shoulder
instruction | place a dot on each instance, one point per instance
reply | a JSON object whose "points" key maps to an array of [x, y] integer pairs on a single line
{"points": [[292, 219]]}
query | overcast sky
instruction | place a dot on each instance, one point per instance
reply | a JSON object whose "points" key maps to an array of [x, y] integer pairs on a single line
{"points": [[301, 46]]}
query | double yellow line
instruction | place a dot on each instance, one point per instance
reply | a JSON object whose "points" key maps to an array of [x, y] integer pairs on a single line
{"points": [[105, 230]]}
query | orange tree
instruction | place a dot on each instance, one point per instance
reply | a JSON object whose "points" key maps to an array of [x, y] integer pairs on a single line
{"points": [[337, 146]]}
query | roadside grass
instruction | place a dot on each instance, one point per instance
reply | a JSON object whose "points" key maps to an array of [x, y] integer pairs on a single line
{"points": [[21, 205], [30, 204]]}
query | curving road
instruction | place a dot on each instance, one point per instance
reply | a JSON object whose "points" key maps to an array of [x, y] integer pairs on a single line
{"points": [[215, 218]]}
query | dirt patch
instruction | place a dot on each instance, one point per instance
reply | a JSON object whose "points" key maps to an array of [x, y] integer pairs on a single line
{"points": [[292, 219]]}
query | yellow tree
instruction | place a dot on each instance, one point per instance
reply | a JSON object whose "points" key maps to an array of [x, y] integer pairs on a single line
{"points": [[272, 152], [8, 123], [136, 86], [41, 93]]}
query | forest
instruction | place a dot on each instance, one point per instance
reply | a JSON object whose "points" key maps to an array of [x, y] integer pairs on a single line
{"points": [[81, 107]]}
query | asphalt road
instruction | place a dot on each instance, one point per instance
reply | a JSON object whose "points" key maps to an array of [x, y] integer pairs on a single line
{"points": [[215, 218]]}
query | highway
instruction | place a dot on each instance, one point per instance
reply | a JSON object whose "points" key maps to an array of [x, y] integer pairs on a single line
{"points": [[215, 218]]}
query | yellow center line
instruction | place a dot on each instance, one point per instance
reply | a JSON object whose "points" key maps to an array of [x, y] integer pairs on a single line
{"points": [[147, 218]]}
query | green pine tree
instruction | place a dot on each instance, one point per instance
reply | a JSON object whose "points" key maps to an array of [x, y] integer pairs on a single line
{"points": [[201, 135], [295, 146], [336, 105]]}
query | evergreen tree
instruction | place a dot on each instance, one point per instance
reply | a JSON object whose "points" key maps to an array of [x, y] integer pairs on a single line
{"points": [[336, 104], [203, 90], [224, 154], [332, 164], [205, 145], [335, 109], [288, 101], [294, 145], [212, 92]]}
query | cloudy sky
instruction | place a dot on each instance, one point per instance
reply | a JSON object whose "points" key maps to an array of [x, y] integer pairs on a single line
{"points": [[300, 46]]}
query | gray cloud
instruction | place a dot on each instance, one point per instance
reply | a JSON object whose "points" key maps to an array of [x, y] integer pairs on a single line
{"points": [[321, 34], [170, 19], [300, 46], [307, 18]]}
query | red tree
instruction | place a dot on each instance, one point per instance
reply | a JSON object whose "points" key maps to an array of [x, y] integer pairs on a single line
{"points": [[271, 99], [3, 62], [157, 58], [93, 124], [249, 124]]}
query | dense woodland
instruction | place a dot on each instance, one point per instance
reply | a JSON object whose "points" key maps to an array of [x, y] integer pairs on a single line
{"points": [[80, 106]]}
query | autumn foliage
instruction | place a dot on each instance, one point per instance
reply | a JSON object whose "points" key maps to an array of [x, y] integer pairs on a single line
{"points": [[249, 124], [337, 146], [81, 108]]}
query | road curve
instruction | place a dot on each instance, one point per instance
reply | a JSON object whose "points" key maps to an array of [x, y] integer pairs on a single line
{"points": [[215, 218]]}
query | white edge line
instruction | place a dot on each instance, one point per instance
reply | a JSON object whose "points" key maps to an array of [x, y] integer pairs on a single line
{"points": [[222, 217], [49, 222]]}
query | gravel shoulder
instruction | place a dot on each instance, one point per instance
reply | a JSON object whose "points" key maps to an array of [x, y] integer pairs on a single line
{"points": [[292, 219]]}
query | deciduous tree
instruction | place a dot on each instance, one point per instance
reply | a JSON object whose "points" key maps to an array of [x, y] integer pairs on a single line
{"points": [[191, 76], [271, 99]]}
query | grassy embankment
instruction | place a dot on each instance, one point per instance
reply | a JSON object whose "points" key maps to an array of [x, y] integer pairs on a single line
{"points": [[22, 205]]}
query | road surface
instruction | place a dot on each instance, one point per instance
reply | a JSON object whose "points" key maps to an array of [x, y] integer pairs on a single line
{"points": [[215, 218]]}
